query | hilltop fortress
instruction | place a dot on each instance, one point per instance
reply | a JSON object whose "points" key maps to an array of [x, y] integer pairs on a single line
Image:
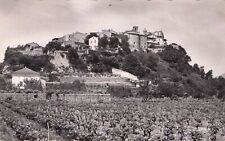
{"points": [[108, 41], [145, 40], [153, 41]]}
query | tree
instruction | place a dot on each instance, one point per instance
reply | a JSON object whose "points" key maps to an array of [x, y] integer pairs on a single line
{"points": [[2, 65], [33, 85], [208, 75], [103, 42], [202, 72], [124, 44], [110, 61], [93, 58], [145, 93], [132, 64], [114, 42], [174, 55], [53, 46], [149, 59], [177, 57], [4, 84], [167, 89], [74, 59], [99, 68], [12, 56], [72, 56], [196, 68]]}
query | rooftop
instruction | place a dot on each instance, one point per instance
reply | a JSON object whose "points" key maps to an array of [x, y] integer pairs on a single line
{"points": [[26, 71]]}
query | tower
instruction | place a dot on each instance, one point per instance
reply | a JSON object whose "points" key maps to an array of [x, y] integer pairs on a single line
{"points": [[135, 28], [145, 32]]}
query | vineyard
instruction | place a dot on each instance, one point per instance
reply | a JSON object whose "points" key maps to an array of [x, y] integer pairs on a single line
{"points": [[120, 120]]}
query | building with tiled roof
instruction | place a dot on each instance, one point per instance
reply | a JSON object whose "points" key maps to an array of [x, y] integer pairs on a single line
{"points": [[18, 77]]}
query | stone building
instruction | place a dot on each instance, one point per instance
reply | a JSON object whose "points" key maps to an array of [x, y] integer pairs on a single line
{"points": [[156, 38], [32, 49], [74, 37], [137, 41], [108, 33], [156, 41]]}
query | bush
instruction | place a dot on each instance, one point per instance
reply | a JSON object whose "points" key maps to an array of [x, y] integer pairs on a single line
{"points": [[167, 89], [221, 94], [66, 87], [8, 99], [33, 85], [49, 95], [17, 60], [144, 93], [174, 97], [4, 84], [132, 65], [53, 78], [198, 87], [120, 91]]}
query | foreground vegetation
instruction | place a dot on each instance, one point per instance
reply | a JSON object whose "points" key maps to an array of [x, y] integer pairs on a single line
{"points": [[128, 119]]}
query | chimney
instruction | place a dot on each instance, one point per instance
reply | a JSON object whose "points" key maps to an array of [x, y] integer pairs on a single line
{"points": [[135, 28]]}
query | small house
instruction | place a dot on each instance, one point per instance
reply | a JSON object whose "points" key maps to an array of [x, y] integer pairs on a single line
{"points": [[18, 77], [93, 43]]}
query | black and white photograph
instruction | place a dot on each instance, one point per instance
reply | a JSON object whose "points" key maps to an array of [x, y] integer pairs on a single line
{"points": [[112, 70]]}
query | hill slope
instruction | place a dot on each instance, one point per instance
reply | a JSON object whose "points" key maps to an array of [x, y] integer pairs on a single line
{"points": [[169, 68]]}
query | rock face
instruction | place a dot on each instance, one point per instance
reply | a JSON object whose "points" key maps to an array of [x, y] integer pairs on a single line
{"points": [[60, 61]]}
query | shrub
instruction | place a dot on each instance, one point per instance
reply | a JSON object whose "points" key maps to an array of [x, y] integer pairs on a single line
{"points": [[65, 87], [4, 84], [132, 65], [49, 95], [33, 85], [167, 89], [144, 93], [120, 91], [17, 60], [221, 94], [53, 78], [8, 99], [174, 97]]}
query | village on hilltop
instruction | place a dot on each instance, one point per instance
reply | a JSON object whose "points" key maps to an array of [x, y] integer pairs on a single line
{"points": [[84, 43], [102, 63], [144, 41]]}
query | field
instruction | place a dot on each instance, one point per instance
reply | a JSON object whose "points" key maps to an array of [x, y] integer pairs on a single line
{"points": [[121, 119]]}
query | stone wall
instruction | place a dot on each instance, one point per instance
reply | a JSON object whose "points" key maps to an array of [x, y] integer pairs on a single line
{"points": [[76, 98]]}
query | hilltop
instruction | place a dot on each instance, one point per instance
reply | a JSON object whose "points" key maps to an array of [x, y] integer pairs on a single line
{"points": [[145, 55]]}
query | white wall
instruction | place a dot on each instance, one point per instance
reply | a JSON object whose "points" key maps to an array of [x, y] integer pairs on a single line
{"points": [[124, 74], [93, 42]]}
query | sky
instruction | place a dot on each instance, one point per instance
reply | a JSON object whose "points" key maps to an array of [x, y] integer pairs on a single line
{"points": [[196, 25]]}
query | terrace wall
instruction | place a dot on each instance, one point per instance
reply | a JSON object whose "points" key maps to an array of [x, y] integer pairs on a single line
{"points": [[73, 98]]}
